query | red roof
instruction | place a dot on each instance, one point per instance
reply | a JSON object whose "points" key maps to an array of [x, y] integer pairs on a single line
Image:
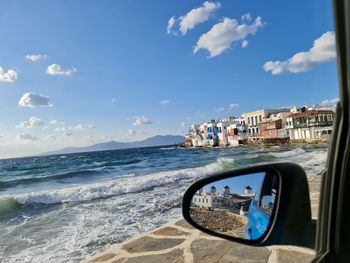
{"points": [[311, 112]]}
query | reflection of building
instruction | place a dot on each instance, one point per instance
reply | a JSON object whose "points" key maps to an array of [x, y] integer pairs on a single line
{"points": [[224, 200], [226, 190], [248, 191]]}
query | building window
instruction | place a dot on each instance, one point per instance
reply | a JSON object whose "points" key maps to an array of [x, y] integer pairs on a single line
{"points": [[260, 118], [256, 120]]}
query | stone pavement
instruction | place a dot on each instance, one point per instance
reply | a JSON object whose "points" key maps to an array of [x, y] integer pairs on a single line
{"points": [[178, 242]]}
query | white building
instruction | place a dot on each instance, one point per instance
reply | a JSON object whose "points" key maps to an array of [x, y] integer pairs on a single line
{"points": [[310, 124], [195, 135]]}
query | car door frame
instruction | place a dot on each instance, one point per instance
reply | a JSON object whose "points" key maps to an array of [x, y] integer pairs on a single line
{"points": [[333, 233]]}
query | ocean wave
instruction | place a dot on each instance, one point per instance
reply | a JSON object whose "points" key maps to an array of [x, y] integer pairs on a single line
{"points": [[33, 180], [287, 154], [115, 187]]}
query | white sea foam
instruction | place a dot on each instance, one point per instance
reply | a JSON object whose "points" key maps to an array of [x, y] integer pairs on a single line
{"points": [[288, 154], [117, 186]]}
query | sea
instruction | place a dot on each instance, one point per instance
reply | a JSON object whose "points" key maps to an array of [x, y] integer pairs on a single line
{"points": [[65, 208]]}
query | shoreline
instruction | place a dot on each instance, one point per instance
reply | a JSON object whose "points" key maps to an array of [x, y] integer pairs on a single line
{"points": [[260, 142], [177, 241]]}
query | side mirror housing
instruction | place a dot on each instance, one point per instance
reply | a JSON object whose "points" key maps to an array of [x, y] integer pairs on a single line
{"points": [[261, 205]]}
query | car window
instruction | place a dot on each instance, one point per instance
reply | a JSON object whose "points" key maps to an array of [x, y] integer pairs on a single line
{"points": [[110, 110]]}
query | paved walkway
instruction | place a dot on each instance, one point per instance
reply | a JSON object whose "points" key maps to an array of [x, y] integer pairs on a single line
{"points": [[178, 242]]}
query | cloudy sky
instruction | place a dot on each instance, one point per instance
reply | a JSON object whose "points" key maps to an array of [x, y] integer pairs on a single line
{"points": [[73, 73]]}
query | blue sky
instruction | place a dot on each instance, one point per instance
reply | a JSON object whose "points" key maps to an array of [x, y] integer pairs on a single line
{"points": [[239, 183], [105, 66]]}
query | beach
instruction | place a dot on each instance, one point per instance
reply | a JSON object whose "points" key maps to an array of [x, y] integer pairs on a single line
{"points": [[67, 208]]}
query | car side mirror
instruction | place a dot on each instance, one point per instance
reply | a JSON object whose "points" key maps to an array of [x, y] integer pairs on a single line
{"points": [[261, 205]]}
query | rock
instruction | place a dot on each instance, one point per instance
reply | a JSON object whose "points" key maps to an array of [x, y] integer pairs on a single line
{"points": [[146, 244]]}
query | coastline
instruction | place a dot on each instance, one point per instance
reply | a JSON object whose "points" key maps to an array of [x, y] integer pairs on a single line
{"points": [[177, 241]]}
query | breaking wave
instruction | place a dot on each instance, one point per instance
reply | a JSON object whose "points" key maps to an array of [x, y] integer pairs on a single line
{"points": [[114, 187]]}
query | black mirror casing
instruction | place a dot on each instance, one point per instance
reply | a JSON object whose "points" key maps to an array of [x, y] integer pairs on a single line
{"points": [[291, 222]]}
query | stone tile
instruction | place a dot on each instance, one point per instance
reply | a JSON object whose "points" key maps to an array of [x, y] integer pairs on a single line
{"points": [[103, 258], [183, 223], [290, 256], [169, 231], [175, 256], [146, 243], [206, 251], [246, 254]]}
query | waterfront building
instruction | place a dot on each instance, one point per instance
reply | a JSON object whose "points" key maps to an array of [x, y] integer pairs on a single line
{"points": [[195, 135], [310, 124], [212, 138], [229, 129], [274, 126], [253, 118]]}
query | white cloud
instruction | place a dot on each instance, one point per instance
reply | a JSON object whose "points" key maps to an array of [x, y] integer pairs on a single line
{"points": [[27, 137], [33, 100], [221, 36], [171, 23], [140, 120], [183, 124], [114, 100], [329, 103], [75, 128], [8, 76], [246, 17], [130, 132], [245, 43], [220, 109], [164, 102], [322, 51], [30, 123], [197, 16], [35, 58], [84, 126], [56, 122], [56, 69], [233, 106]]}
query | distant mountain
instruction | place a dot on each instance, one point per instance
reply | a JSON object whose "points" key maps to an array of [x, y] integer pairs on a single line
{"points": [[159, 140]]}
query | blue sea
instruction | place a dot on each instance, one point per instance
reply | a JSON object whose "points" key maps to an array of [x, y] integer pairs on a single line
{"points": [[64, 208]]}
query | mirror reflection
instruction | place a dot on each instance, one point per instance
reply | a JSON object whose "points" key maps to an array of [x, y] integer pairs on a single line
{"points": [[241, 206]]}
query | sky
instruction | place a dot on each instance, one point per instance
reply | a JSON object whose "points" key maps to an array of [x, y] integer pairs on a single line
{"points": [[74, 73], [238, 184]]}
